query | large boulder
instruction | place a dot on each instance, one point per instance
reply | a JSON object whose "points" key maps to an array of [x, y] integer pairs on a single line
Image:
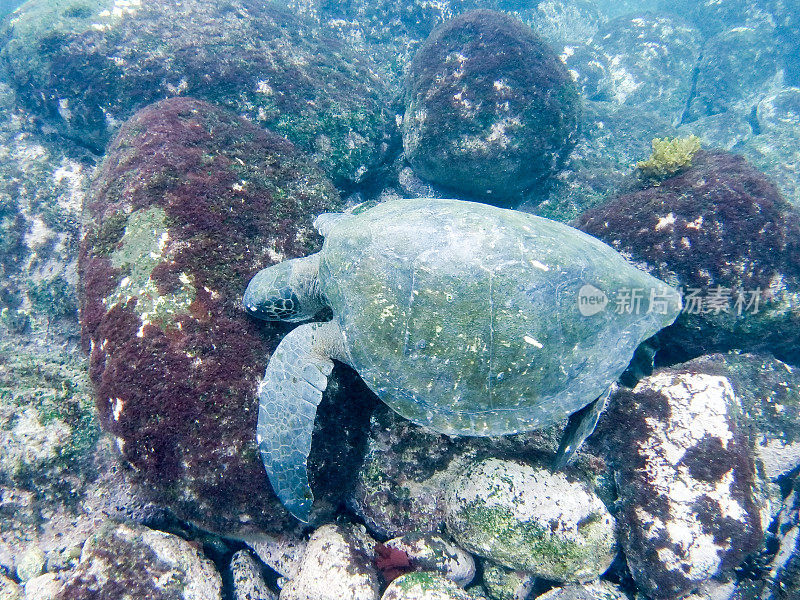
{"points": [[87, 65], [189, 203], [720, 230], [490, 108], [691, 505]]}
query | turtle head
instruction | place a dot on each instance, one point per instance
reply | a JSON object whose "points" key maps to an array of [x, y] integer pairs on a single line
{"points": [[288, 291]]}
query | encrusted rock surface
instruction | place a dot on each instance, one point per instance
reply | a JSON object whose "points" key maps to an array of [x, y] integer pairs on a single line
{"points": [[490, 108], [189, 203], [87, 65], [599, 590], [129, 562], [432, 552], [530, 519], [641, 60], [502, 583], [424, 586], [721, 230], [690, 504], [337, 564], [248, 582]]}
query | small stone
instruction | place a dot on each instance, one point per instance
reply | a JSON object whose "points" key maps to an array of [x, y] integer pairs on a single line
{"points": [[530, 519], [9, 590], [424, 586], [432, 552], [31, 564], [44, 587], [248, 582], [127, 558], [503, 583], [597, 590], [281, 552], [335, 566]]}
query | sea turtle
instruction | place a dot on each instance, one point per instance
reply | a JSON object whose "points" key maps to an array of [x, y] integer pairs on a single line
{"points": [[462, 317]]}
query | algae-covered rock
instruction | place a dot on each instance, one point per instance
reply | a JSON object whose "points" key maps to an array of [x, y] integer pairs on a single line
{"points": [[691, 505], [87, 65], [530, 519], [597, 590], [502, 583], [129, 562], [738, 67], [721, 231], [190, 202], [248, 582], [643, 60], [424, 586], [432, 552], [490, 109]]}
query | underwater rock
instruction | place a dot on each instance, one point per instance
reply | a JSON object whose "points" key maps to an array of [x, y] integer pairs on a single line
{"points": [[768, 391], [646, 61], [248, 582], [690, 503], [188, 204], [48, 437], [736, 70], [782, 580], [530, 519], [776, 148], [42, 187], [613, 138], [402, 481], [87, 65], [9, 590], [490, 108], [727, 130], [432, 552], [281, 552], [712, 16], [43, 587], [597, 590], [721, 230], [424, 586], [502, 583], [126, 560], [337, 564], [564, 23]]}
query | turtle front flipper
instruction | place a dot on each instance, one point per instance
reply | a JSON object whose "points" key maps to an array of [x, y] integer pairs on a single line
{"points": [[580, 426], [289, 394]]}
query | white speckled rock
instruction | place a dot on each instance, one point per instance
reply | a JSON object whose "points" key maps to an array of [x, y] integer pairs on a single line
{"points": [[283, 553], [336, 565], [503, 583], [597, 590], [30, 564], [248, 582], [431, 552], [691, 504], [530, 519], [424, 586], [9, 590], [142, 562], [43, 587]]}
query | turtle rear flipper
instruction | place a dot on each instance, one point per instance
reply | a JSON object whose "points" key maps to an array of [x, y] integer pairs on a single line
{"points": [[580, 426], [289, 394]]}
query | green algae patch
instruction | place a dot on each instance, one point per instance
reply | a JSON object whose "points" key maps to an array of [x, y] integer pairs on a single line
{"points": [[670, 156], [141, 249]]}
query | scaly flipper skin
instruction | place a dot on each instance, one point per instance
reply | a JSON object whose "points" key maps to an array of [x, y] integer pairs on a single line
{"points": [[289, 394]]}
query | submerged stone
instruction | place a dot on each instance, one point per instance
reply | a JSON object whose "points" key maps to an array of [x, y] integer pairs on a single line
{"points": [[189, 202], [87, 65], [490, 108], [530, 519]]}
